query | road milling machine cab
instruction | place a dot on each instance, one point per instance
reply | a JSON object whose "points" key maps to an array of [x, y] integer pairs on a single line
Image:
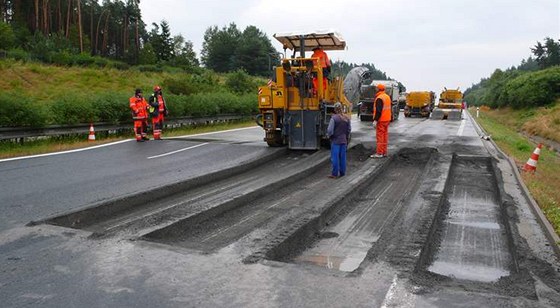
{"points": [[295, 107]]}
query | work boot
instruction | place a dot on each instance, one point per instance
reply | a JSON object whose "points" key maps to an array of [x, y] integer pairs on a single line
{"points": [[377, 156]]}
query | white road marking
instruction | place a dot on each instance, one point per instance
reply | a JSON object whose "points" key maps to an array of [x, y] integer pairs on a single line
{"points": [[213, 133], [461, 128], [181, 150], [64, 152]]}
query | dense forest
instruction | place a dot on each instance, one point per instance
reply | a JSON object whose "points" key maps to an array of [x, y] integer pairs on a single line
{"points": [[533, 83], [113, 34]]}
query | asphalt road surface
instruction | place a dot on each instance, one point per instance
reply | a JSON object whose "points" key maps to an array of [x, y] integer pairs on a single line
{"points": [[222, 220]]}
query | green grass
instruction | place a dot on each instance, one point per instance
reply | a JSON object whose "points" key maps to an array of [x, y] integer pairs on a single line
{"points": [[544, 183], [50, 145]]}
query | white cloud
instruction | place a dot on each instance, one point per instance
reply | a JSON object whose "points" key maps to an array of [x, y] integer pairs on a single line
{"points": [[424, 44]]}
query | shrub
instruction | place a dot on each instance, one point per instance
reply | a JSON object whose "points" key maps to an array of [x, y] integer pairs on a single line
{"points": [[18, 110], [148, 68], [240, 82], [533, 89], [100, 62], [73, 109], [18, 54], [7, 36], [62, 58], [118, 65], [84, 59], [111, 107], [208, 104]]}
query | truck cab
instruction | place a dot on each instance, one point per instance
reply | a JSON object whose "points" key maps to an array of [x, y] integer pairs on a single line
{"points": [[367, 95]]}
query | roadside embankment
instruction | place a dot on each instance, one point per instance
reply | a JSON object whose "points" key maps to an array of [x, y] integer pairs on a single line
{"points": [[509, 129]]}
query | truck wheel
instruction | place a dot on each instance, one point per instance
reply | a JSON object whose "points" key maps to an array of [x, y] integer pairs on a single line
{"points": [[276, 141]]}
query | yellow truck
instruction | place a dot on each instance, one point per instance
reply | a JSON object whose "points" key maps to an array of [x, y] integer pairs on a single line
{"points": [[295, 106], [450, 105], [419, 103]]}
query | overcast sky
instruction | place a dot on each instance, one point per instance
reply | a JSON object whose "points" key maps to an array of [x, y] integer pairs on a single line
{"points": [[426, 44]]}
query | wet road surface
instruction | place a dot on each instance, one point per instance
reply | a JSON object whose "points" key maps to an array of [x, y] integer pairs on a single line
{"points": [[440, 223]]}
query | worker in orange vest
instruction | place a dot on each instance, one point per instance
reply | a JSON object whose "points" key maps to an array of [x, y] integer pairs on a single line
{"points": [[139, 106], [324, 63], [381, 115], [158, 109]]}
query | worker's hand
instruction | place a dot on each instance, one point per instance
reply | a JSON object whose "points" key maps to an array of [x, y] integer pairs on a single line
{"points": [[373, 123]]}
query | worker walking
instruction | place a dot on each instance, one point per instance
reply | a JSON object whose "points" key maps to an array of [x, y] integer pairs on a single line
{"points": [[158, 109], [339, 133], [139, 106], [381, 115]]}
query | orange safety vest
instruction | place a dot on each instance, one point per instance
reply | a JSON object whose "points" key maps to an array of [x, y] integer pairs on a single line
{"points": [[386, 111], [323, 58], [139, 107]]}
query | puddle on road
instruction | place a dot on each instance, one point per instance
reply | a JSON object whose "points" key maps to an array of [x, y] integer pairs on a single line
{"points": [[473, 240]]}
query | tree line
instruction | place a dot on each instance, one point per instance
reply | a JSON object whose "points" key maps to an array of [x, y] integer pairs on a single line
{"points": [[90, 32], [534, 82]]}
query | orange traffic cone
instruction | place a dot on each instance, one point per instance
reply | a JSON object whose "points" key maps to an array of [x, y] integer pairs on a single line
{"points": [[91, 136], [531, 164]]}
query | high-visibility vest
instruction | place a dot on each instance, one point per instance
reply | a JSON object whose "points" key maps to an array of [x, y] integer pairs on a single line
{"points": [[386, 111], [323, 58]]}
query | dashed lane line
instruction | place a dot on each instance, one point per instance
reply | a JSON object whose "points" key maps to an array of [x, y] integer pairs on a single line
{"points": [[177, 151]]}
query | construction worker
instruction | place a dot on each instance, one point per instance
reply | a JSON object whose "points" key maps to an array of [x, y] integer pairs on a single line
{"points": [[158, 109], [324, 63], [139, 106], [339, 133], [381, 115]]}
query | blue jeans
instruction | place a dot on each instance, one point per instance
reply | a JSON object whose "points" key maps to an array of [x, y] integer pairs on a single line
{"points": [[338, 159]]}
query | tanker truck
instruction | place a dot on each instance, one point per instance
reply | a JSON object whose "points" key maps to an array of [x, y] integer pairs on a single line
{"points": [[419, 103]]}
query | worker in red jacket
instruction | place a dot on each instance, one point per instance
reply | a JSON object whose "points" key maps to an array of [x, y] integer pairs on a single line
{"points": [[381, 115], [139, 106], [158, 109]]}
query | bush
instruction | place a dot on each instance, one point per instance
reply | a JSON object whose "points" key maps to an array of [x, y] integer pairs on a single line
{"points": [[84, 59], [62, 58], [7, 36], [118, 65], [208, 104], [73, 108], [19, 54], [18, 110], [148, 68], [111, 107], [191, 84], [240, 82]]}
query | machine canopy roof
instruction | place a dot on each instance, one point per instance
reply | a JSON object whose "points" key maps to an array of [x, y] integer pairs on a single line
{"points": [[327, 39]]}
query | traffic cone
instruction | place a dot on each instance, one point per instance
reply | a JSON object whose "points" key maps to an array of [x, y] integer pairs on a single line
{"points": [[91, 136], [531, 164]]}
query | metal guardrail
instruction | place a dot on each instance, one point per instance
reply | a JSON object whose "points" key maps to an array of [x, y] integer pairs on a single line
{"points": [[22, 133]]}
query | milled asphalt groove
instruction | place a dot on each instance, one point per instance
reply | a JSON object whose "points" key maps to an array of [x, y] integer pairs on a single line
{"points": [[346, 242], [222, 229], [160, 205], [474, 241], [306, 231]]}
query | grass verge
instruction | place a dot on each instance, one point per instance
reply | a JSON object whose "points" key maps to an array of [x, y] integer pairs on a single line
{"points": [[56, 144], [544, 183]]}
